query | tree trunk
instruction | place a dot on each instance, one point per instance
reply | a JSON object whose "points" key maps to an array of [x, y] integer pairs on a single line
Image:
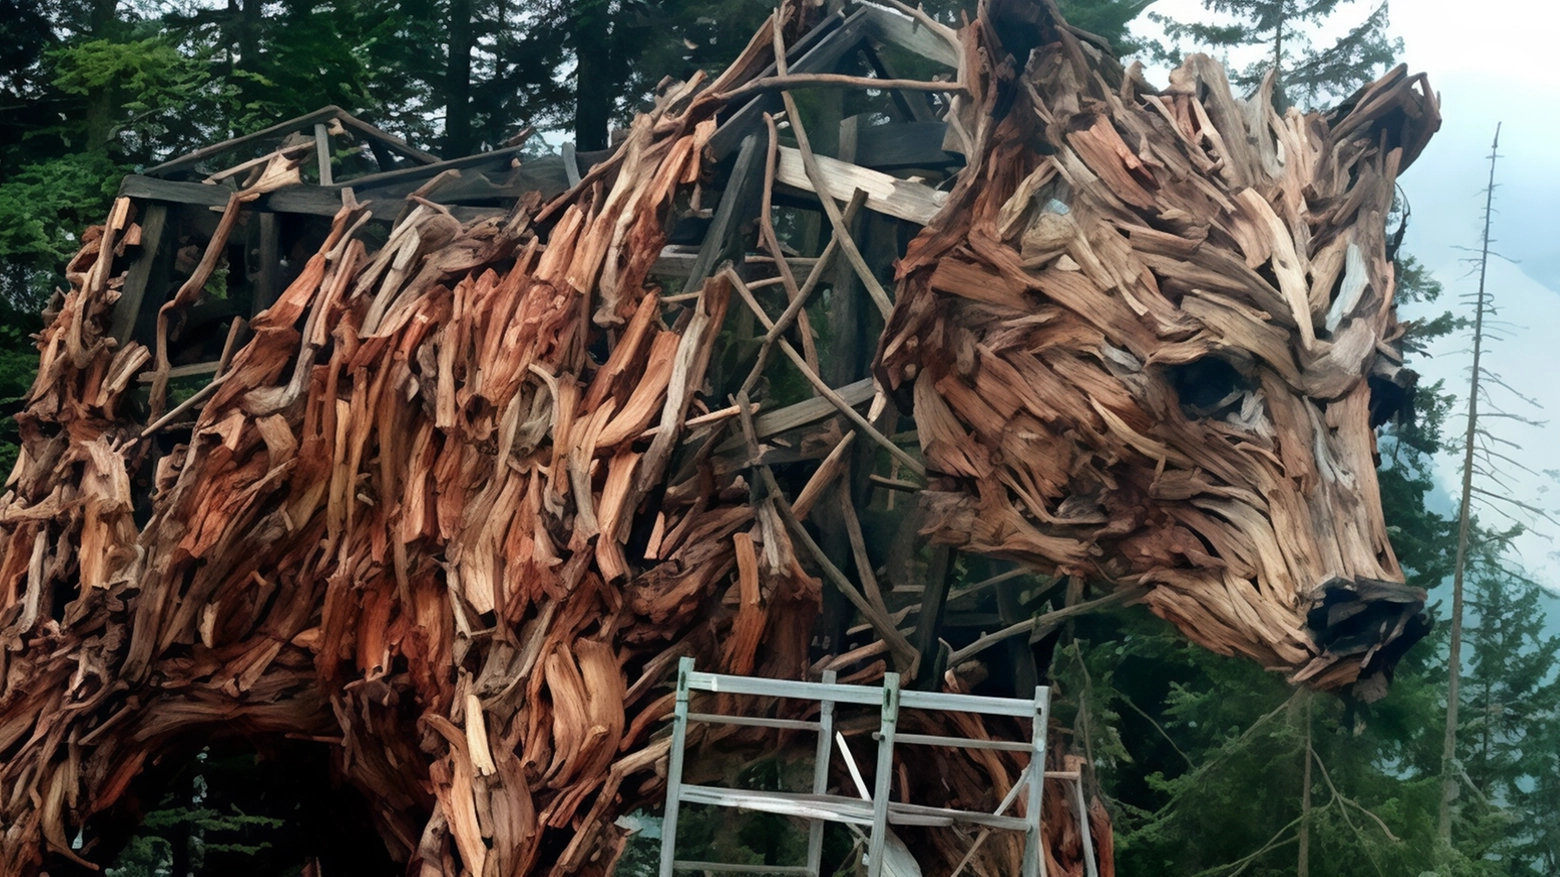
{"points": [[249, 34], [1303, 866], [592, 75], [1454, 656], [100, 103], [457, 82]]}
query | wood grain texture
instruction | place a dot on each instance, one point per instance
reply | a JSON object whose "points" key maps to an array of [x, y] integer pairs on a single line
{"points": [[1136, 357]]}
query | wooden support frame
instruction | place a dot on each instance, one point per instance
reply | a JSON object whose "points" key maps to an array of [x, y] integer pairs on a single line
{"points": [[1026, 673], [324, 114], [306, 200], [738, 204], [144, 272], [389, 140], [268, 278], [888, 26], [817, 52], [307, 121], [913, 107], [930, 621]]}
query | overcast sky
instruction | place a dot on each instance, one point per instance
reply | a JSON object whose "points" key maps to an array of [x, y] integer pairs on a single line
{"points": [[1491, 61]]}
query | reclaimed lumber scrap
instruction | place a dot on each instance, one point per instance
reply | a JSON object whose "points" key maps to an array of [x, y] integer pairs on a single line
{"points": [[886, 194], [819, 50], [927, 39], [290, 126]]}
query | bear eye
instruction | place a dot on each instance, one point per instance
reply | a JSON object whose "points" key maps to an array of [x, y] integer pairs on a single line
{"points": [[1208, 387]]}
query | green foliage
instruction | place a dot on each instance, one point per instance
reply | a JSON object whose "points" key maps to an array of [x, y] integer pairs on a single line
{"points": [[1108, 19], [1286, 32], [43, 209], [18, 364], [152, 70], [1202, 761], [185, 828], [1511, 707]]}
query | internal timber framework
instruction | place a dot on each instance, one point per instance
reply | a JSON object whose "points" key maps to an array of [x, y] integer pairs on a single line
{"points": [[453, 474]]}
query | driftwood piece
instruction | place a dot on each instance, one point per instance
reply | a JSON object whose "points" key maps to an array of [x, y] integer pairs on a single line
{"points": [[459, 503]]}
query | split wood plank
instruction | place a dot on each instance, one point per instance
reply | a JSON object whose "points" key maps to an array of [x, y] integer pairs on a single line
{"points": [[886, 194]]}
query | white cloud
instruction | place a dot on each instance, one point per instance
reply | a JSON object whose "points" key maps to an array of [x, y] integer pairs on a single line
{"points": [[1489, 67]]}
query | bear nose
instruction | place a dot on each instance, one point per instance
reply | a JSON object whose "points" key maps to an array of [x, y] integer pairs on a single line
{"points": [[1368, 620]]}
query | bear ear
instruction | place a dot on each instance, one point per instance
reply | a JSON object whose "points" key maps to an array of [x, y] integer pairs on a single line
{"points": [[1397, 109]]}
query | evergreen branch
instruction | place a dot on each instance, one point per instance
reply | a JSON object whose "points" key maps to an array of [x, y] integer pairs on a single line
{"points": [[1518, 503], [1273, 843], [1350, 801], [1507, 458], [1495, 438], [1232, 746], [1135, 708]]}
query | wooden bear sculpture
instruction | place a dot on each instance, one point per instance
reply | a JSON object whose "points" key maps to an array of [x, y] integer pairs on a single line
{"points": [[467, 490]]}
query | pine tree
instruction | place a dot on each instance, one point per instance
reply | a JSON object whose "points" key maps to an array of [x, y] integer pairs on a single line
{"points": [[1479, 550], [1511, 702], [1286, 32]]}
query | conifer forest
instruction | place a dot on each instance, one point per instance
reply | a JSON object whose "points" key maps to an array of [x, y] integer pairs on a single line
{"points": [[967, 356]]}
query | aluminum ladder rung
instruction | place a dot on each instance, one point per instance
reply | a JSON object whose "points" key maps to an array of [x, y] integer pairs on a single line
{"points": [[874, 808]]}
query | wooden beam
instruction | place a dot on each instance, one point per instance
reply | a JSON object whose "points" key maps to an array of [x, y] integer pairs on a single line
{"points": [[904, 145], [322, 152], [840, 80], [142, 187], [929, 622], [288, 127], [1050, 620], [738, 204], [1026, 673], [428, 171], [914, 107], [816, 52], [671, 263], [888, 26], [268, 278], [571, 167], [191, 370], [803, 413], [886, 194], [133, 295], [395, 143], [305, 200]]}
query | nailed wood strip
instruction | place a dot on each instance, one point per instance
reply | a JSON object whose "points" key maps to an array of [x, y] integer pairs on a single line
{"points": [[886, 194]]}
